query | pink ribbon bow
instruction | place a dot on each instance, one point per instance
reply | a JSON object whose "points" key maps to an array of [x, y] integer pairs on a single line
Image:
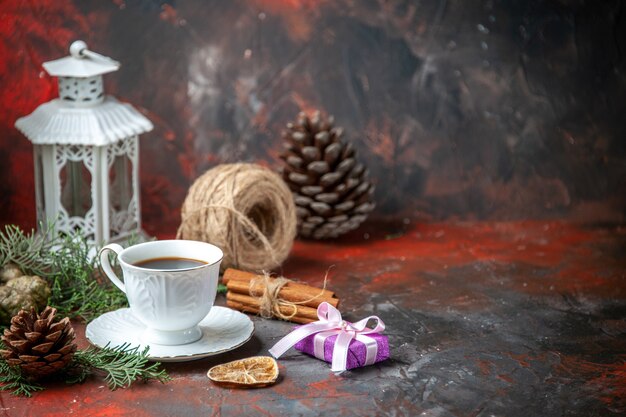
{"points": [[330, 323]]}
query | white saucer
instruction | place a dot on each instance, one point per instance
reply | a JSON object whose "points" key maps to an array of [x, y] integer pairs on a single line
{"points": [[223, 329]]}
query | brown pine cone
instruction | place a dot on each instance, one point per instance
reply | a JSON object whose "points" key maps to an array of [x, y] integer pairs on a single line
{"points": [[332, 192], [39, 344]]}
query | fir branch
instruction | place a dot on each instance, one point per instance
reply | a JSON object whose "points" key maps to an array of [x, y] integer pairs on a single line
{"points": [[12, 379], [122, 365], [31, 253], [75, 291], [65, 262]]}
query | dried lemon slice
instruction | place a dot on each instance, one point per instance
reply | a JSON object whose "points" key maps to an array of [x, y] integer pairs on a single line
{"points": [[256, 371]]}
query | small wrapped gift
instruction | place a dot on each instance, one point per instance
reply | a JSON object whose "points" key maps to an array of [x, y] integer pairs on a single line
{"points": [[346, 345]]}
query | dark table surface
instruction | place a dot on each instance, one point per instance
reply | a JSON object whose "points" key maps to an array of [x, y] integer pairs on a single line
{"points": [[483, 319]]}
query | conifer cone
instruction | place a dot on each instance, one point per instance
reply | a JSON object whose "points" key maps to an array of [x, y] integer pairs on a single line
{"points": [[40, 344], [332, 192]]}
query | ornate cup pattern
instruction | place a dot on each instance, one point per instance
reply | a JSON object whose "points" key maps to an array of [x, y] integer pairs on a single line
{"points": [[170, 303]]}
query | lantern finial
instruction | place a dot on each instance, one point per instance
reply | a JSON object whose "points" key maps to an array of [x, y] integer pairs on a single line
{"points": [[77, 48]]}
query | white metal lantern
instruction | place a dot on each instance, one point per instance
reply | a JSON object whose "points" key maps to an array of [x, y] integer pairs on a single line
{"points": [[86, 151]]}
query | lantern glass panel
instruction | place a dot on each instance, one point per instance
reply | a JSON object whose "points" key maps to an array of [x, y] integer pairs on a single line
{"points": [[75, 181], [121, 194]]}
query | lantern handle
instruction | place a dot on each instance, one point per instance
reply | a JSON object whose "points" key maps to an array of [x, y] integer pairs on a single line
{"points": [[106, 265], [78, 49]]}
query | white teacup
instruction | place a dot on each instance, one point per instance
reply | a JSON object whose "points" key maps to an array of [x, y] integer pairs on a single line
{"points": [[170, 302]]}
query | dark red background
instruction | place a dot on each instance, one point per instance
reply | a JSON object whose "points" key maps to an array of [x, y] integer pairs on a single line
{"points": [[472, 110]]}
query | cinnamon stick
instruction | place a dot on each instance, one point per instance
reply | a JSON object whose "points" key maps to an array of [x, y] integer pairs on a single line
{"points": [[298, 291], [301, 311], [251, 309], [287, 293], [236, 274]]}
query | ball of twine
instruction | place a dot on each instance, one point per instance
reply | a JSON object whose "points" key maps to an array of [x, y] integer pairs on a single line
{"points": [[244, 209]]}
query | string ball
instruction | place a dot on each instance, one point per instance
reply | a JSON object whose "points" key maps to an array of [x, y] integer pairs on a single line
{"points": [[246, 210]]}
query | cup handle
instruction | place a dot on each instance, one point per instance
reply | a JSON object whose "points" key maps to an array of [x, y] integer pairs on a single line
{"points": [[106, 265]]}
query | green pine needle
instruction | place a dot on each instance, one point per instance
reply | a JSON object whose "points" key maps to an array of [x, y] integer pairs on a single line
{"points": [[75, 291], [31, 253], [65, 263], [121, 365], [12, 379]]}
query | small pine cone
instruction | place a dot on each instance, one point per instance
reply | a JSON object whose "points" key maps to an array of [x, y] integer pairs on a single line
{"points": [[332, 192], [39, 344]]}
